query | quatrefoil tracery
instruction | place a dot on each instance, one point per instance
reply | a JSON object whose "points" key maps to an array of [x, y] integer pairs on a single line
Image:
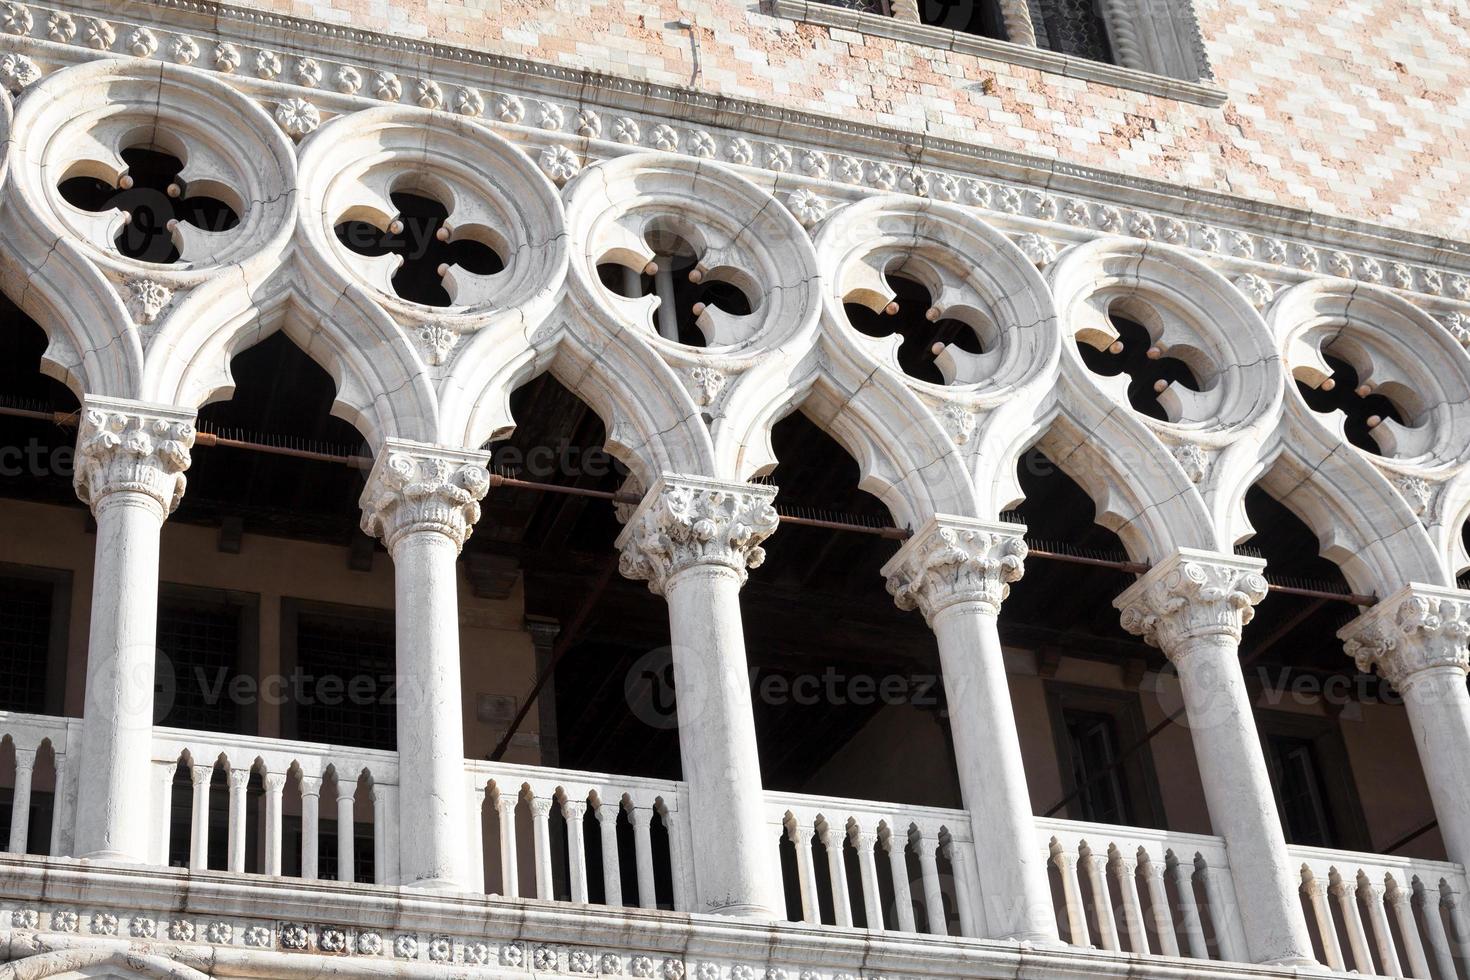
{"points": [[424, 256], [929, 342], [1375, 417], [159, 215], [1128, 362], [694, 293]]}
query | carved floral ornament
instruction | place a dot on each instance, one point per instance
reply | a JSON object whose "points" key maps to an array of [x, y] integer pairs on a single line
{"points": [[125, 447], [684, 522], [1192, 595], [1418, 628], [954, 560], [414, 488]]}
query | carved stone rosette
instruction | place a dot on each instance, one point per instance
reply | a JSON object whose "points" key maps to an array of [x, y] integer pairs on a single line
{"points": [[686, 521], [127, 446], [1192, 594], [417, 487], [956, 559], [1418, 627]]}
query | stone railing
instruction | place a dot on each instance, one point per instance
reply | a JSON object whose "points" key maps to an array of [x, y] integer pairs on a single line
{"points": [[293, 777], [879, 865], [1142, 891], [40, 744], [604, 825], [1384, 916]]}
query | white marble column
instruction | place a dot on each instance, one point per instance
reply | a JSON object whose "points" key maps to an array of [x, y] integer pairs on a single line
{"points": [[422, 501], [957, 571], [1193, 606], [130, 465], [1416, 640], [692, 540]]}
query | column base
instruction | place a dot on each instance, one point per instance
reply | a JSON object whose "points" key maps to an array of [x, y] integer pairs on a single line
{"points": [[743, 910], [112, 857], [1305, 964], [437, 884]]}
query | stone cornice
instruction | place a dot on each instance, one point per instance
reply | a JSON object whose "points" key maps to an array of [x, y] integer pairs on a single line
{"points": [[414, 487], [1190, 595], [128, 446], [688, 521], [1030, 194], [1417, 628], [953, 560]]}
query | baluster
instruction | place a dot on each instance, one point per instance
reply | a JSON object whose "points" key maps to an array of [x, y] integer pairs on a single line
{"points": [[379, 800], [390, 839], [612, 879], [163, 786], [1326, 928], [346, 855], [1102, 898], [642, 817], [1378, 917], [1403, 913], [1194, 930], [837, 871], [311, 791], [275, 787], [474, 812], [933, 895], [58, 805], [1158, 903], [20, 804], [541, 843], [510, 872], [1439, 941], [962, 860], [1066, 866], [866, 843], [898, 863], [202, 776], [1221, 892], [806, 872], [1125, 872], [575, 811], [1346, 893], [239, 781]]}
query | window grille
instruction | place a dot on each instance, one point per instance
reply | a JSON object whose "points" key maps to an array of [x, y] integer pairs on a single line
{"points": [[25, 643], [344, 688]]}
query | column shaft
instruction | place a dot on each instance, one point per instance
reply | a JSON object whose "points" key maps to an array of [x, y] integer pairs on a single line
{"points": [[1439, 715]]}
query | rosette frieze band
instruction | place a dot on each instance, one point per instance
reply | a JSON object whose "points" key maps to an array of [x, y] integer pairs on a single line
{"points": [[415, 487], [955, 559], [126, 446], [1415, 629], [1192, 594], [687, 521]]}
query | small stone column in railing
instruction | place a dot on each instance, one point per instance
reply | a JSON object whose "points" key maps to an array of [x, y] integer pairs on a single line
{"points": [[1182, 871], [957, 571], [1403, 914], [933, 895], [275, 788], [832, 839], [642, 817], [1416, 639], [130, 465], [239, 780], [612, 875], [898, 866], [1318, 894], [1193, 606], [201, 777], [866, 843], [422, 502], [541, 839], [575, 811], [20, 803], [692, 540], [510, 871], [311, 815], [346, 839], [1158, 903]]}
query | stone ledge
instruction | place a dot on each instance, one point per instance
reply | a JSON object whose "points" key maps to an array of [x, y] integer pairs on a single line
{"points": [[1041, 59]]}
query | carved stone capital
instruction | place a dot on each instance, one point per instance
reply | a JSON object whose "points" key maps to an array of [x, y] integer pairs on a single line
{"points": [[1192, 594], [687, 521], [956, 559], [417, 487], [127, 446], [1416, 628]]}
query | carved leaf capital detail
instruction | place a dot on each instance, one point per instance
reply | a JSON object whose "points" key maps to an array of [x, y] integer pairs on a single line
{"points": [[684, 522]]}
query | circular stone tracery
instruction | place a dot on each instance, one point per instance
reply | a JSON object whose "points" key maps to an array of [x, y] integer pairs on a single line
{"points": [[987, 322], [154, 146], [734, 264], [430, 212]]}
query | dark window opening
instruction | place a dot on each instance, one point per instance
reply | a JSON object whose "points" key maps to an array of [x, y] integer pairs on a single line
{"points": [[1300, 792], [426, 246], [1074, 27], [1107, 765], [341, 689], [27, 643], [980, 17], [1094, 742], [206, 642], [153, 195]]}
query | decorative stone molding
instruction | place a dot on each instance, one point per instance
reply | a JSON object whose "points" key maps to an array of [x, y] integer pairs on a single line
{"points": [[131, 447], [414, 487], [952, 560], [1190, 595], [687, 521], [1417, 628]]}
